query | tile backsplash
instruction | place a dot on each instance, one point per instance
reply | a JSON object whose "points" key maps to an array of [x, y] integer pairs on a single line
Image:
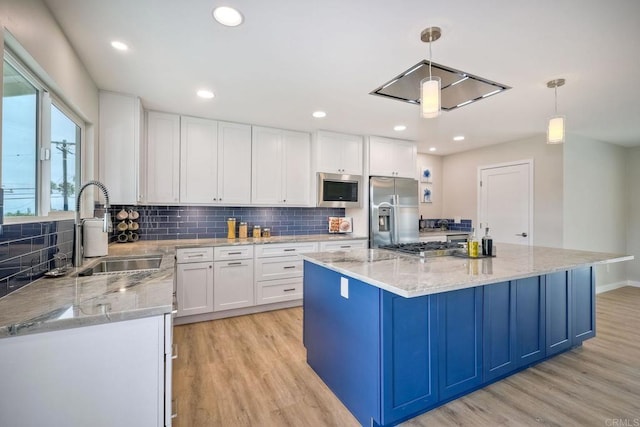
{"points": [[27, 251], [199, 222]]}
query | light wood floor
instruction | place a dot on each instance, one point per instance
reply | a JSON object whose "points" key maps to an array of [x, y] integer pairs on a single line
{"points": [[251, 371]]}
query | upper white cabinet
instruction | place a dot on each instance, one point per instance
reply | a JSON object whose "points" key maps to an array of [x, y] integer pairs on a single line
{"points": [[120, 136], [392, 157], [338, 153], [234, 163], [162, 159], [281, 167], [198, 160]]}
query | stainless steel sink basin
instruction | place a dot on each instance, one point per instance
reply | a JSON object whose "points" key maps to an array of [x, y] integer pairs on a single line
{"points": [[122, 265]]}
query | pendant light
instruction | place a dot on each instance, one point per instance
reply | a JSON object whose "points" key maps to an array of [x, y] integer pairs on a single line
{"points": [[430, 87], [555, 130]]}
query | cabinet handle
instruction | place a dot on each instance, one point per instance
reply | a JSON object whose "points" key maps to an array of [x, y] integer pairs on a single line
{"points": [[234, 253], [195, 256], [345, 246], [234, 263], [174, 351], [290, 250], [289, 267], [289, 290]]}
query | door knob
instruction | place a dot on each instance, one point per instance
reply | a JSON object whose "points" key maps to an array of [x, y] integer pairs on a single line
{"points": [[522, 234]]}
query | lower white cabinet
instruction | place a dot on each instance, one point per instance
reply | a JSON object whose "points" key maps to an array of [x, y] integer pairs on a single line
{"points": [[343, 245], [112, 374], [194, 281], [279, 271], [233, 278]]}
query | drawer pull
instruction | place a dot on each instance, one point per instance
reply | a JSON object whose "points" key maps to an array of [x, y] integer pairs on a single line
{"points": [[234, 253], [289, 290], [290, 250], [289, 267], [234, 263], [345, 246], [195, 256]]}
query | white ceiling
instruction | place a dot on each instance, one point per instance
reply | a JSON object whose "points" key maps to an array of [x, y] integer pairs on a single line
{"points": [[290, 58]]}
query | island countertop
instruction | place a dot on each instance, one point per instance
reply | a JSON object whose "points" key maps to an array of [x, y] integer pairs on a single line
{"points": [[412, 276], [71, 301]]}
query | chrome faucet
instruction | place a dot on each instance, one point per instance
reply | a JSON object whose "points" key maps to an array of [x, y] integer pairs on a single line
{"points": [[106, 226]]}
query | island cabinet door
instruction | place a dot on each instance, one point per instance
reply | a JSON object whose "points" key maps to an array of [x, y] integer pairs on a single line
{"points": [[459, 341], [530, 311], [409, 375], [499, 330], [341, 327], [583, 304], [558, 312]]}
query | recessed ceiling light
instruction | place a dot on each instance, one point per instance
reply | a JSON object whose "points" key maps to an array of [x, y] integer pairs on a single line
{"points": [[119, 45], [399, 128], [227, 16], [319, 114], [458, 138], [432, 149], [206, 94]]}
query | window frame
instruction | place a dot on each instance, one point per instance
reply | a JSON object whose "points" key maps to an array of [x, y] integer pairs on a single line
{"points": [[45, 100]]}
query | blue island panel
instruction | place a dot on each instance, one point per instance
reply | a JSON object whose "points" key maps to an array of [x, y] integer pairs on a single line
{"points": [[342, 337]]}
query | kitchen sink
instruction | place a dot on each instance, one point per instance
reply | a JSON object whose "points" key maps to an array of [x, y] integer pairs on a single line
{"points": [[123, 265]]}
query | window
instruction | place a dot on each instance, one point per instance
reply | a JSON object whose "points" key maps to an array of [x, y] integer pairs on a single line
{"points": [[41, 141], [19, 143]]}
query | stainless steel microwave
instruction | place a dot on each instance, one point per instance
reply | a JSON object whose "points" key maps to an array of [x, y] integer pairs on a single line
{"points": [[339, 191]]}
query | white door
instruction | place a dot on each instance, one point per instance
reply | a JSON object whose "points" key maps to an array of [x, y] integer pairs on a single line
{"points": [[506, 202]]}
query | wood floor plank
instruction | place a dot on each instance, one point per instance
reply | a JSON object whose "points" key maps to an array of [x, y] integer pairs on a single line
{"points": [[252, 371]]}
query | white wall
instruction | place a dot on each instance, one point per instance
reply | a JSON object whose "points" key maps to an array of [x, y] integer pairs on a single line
{"points": [[433, 209], [633, 213], [460, 183], [595, 201], [46, 50]]}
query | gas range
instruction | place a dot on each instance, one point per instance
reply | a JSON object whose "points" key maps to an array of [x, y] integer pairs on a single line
{"points": [[426, 249]]}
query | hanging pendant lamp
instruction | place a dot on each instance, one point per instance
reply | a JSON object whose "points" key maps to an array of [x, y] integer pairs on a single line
{"points": [[430, 86], [555, 130]]}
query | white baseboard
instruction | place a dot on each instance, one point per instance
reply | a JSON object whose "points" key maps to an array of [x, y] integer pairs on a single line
{"points": [[611, 286]]}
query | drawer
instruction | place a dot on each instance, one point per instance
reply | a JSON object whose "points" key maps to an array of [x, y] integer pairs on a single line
{"points": [[223, 253], [279, 290], [194, 255], [278, 268], [284, 249], [345, 245]]}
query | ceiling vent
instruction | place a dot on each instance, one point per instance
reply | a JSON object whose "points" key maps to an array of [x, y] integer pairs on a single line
{"points": [[458, 88]]}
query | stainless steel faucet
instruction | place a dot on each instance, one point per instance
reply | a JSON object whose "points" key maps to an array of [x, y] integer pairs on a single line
{"points": [[106, 226]]}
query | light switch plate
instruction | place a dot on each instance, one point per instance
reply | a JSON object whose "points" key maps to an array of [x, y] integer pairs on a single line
{"points": [[344, 287]]}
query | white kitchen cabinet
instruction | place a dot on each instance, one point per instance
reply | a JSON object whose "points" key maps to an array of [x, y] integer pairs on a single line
{"points": [[234, 163], [281, 171], [392, 157], [279, 271], [121, 118], [215, 159], [233, 278], [343, 245], [194, 281], [198, 160], [112, 374], [338, 153], [162, 159]]}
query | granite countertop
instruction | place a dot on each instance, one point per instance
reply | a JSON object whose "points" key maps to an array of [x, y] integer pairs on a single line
{"points": [[412, 276], [70, 301]]}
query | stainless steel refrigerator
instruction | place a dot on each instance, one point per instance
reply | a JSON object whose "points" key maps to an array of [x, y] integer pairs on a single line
{"points": [[393, 211]]}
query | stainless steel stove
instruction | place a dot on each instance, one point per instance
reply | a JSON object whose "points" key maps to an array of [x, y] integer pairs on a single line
{"points": [[426, 249]]}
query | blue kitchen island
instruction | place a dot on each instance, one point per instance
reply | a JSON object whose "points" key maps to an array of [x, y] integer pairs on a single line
{"points": [[396, 335]]}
